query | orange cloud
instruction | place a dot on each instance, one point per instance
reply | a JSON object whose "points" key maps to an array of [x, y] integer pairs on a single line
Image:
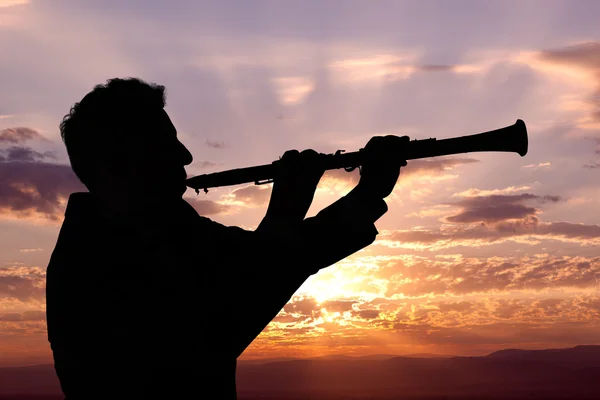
{"points": [[485, 276], [525, 231], [19, 135], [252, 196], [208, 207], [434, 325], [22, 283]]}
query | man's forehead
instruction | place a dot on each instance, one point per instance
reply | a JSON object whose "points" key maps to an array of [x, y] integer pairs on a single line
{"points": [[166, 122]]}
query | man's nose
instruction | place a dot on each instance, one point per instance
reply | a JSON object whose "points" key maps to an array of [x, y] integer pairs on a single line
{"points": [[183, 154]]}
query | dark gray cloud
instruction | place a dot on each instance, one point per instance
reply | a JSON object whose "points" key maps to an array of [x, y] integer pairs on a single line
{"points": [[496, 208], [493, 213], [22, 153]]}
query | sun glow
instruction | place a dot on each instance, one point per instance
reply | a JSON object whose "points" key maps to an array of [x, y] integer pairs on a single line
{"points": [[343, 282]]}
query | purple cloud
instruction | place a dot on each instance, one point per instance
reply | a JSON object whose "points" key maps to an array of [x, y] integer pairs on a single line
{"points": [[496, 208], [28, 188]]}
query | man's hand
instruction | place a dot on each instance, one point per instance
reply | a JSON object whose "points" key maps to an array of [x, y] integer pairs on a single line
{"points": [[294, 187], [381, 168]]}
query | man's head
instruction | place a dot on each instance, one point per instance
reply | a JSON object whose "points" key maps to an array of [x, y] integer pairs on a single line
{"points": [[121, 142]]}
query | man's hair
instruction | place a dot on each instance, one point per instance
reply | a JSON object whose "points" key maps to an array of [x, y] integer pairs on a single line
{"points": [[106, 121]]}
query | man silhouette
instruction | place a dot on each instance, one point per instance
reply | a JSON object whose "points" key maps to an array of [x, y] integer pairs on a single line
{"points": [[148, 299]]}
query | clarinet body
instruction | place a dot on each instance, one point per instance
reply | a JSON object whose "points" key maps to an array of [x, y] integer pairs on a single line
{"points": [[511, 138]]}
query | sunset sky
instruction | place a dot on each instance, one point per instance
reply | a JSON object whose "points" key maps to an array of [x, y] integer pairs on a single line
{"points": [[478, 252]]}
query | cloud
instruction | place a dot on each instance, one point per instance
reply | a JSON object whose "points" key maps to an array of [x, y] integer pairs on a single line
{"points": [[31, 187], [246, 197], [368, 314], [10, 3], [496, 208], [304, 307], [407, 324], [31, 315], [21, 153], [583, 57], [204, 164], [435, 68], [215, 144], [339, 305], [480, 192], [591, 166], [526, 231], [388, 67], [540, 165], [493, 219], [415, 168], [434, 165], [253, 196], [208, 207], [36, 189], [22, 283], [490, 275], [493, 213], [293, 89], [19, 135], [438, 210]]}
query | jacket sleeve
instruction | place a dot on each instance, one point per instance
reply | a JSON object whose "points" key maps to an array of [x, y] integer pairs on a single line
{"points": [[270, 264]]}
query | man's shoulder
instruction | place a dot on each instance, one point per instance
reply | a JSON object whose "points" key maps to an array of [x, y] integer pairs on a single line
{"points": [[79, 203]]}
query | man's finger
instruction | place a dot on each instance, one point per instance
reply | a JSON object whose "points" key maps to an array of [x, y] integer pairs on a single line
{"points": [[290, 154]]}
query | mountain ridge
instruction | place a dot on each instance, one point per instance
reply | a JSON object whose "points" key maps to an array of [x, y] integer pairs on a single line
{"points": [[506, 374]]}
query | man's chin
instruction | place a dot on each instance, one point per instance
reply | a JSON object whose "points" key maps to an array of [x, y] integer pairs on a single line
{"points": [[168, 195]]}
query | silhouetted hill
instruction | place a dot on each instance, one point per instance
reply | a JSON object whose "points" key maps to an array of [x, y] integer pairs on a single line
{"points": [[501, 375], [339, 357], [576, 357], [508, 374], [31, 380]]}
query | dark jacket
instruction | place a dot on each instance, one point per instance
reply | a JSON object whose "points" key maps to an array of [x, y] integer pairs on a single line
{"points": [[163, 308]]}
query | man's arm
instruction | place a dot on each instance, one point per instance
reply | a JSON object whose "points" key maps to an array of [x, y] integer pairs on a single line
{"points": [[336, 232], [267, 266], [288, 248]]}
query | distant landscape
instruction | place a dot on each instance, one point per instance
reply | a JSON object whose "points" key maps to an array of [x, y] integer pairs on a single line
{"points": [[572, 373]]}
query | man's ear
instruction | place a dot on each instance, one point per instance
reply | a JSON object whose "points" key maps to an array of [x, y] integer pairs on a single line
{"points": [[108, 170]]}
